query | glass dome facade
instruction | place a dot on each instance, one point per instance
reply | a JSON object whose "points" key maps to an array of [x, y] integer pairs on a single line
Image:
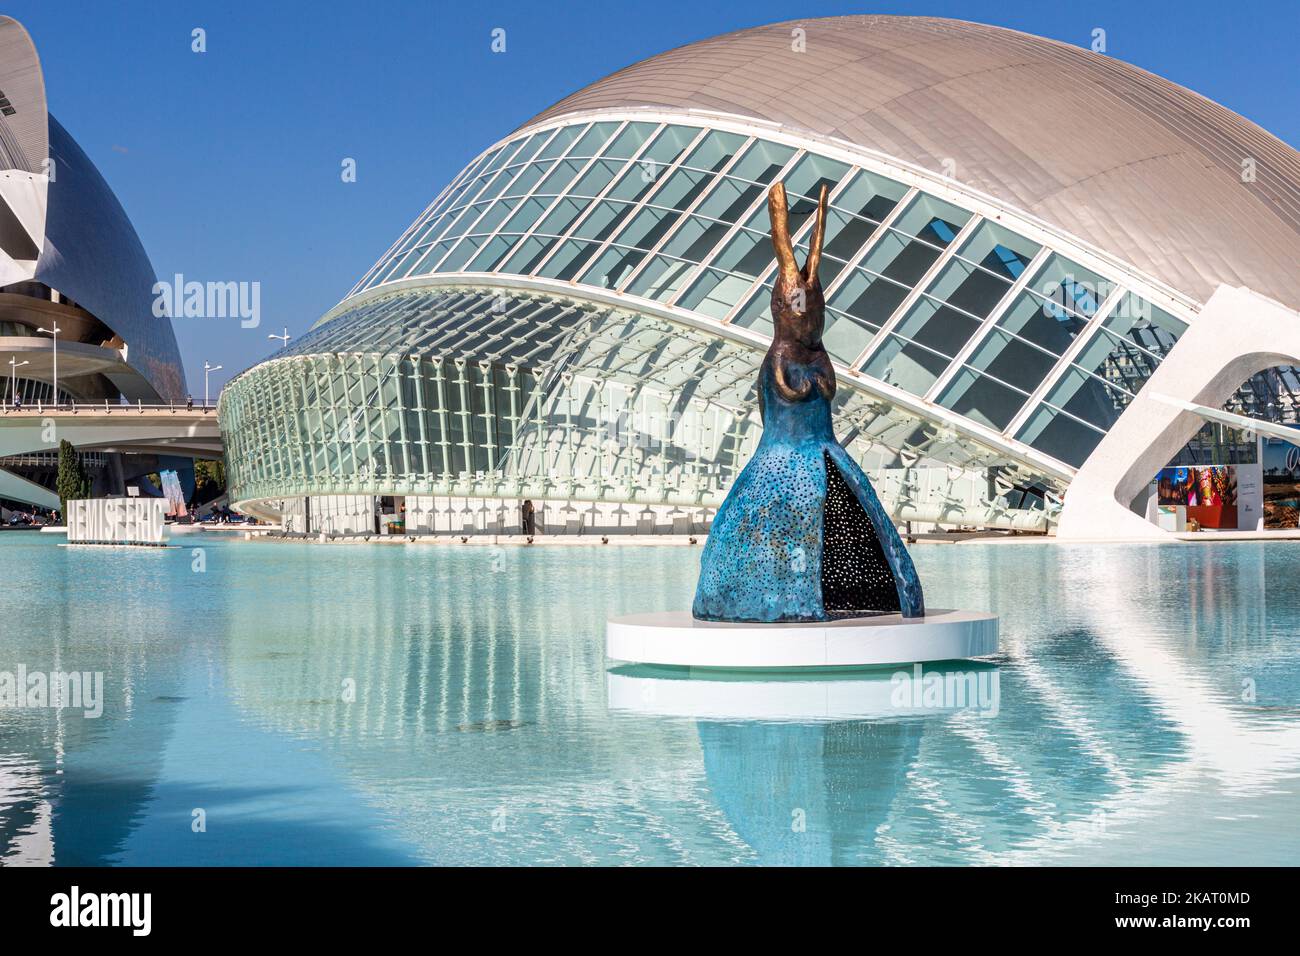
{"points": [[580, 314]]}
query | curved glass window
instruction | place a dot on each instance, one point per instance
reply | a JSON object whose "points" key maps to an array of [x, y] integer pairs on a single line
{"points": [[923, 295]]}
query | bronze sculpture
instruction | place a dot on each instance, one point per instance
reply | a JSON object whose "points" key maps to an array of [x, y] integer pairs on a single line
{"points": [[802, 535]]}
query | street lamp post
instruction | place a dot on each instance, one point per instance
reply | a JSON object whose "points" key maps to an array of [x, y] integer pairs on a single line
{"points": [[14, 366], [283, 338], [53, 332], [206, 369]]}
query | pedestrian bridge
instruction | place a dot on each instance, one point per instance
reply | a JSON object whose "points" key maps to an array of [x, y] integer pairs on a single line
{"points": [[139, 429]]}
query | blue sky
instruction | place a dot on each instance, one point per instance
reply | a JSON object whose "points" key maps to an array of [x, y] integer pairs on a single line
{"points": [[228, 162]]}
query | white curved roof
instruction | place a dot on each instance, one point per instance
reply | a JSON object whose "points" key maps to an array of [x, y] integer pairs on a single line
{"points": [[1129, 162], [61, 224], [24, 141]]}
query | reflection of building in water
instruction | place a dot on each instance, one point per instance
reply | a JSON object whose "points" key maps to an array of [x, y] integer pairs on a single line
{"points": [[26, 825], [479, 721], [1148, 679], [74, 788], [483, 699]]}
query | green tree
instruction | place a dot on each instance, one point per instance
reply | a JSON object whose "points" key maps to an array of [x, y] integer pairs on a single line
{"points": [[73, 481], [209, 479]]}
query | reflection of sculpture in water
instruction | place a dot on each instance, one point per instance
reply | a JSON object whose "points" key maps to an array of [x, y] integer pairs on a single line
{"points": [[801, 535], [809, 794], [816, 792]]}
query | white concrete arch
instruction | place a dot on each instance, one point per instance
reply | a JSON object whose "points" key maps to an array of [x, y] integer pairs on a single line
{"points": [[1238, 334]]}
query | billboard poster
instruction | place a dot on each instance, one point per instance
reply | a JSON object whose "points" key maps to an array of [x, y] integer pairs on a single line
{"points": [[1281, 483], [1208, 491], [171, 489]]}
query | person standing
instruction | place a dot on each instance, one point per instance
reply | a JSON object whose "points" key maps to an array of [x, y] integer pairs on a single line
{"points": [[528, 517]]}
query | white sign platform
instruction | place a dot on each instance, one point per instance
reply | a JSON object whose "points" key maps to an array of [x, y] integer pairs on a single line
{"points": [[117, 521], [676, 638]]}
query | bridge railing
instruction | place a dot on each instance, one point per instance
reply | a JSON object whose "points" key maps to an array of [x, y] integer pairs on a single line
{"points": [[107, 408]]}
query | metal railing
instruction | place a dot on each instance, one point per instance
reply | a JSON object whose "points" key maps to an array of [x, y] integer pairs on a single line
{"points": [[107, 408]]}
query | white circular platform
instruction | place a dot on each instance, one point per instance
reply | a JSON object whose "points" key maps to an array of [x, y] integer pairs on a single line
{"points": [[676, 638]]}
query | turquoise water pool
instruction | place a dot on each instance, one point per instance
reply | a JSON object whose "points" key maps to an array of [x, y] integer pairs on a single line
{"points": [[267, 702]]}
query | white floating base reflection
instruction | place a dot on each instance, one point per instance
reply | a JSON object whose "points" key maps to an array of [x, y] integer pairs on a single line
{"points": [[908, 691], [675, 638]]}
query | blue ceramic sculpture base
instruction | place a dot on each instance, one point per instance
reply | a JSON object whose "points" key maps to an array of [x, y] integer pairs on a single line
{"points": [[802, 535]]}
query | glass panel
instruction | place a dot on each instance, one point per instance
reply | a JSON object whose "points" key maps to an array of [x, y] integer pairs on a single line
{"points": [[561, 141], [982, 399], [606, 218], [750, 250], [696, 238], [857, 211], [716, 293], [557, 221], [667, 148], [907, 251], [431, 258], [1145, 325], [597, 177], [756, 313], [1133, 340], [629, 141], [714, 151], [467, 218], [857, 310], [1069, 289], [473, 169], [526, 257], [938, 327], [803, 185], [907, 365], [748, 254], [1053, 319], [400, 266], [1060, 436], [761, 162], [493, 251], [529, 149], [558, 179], [497, 185], [661, 278], [590, 143], [527, 179], [612, 267], [1012, 360], [603, 221], [745, 183], [945, 318], [489, 221], [932, 220], [1088, 398], [497, 159], [977, 278], [483, 262]]}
